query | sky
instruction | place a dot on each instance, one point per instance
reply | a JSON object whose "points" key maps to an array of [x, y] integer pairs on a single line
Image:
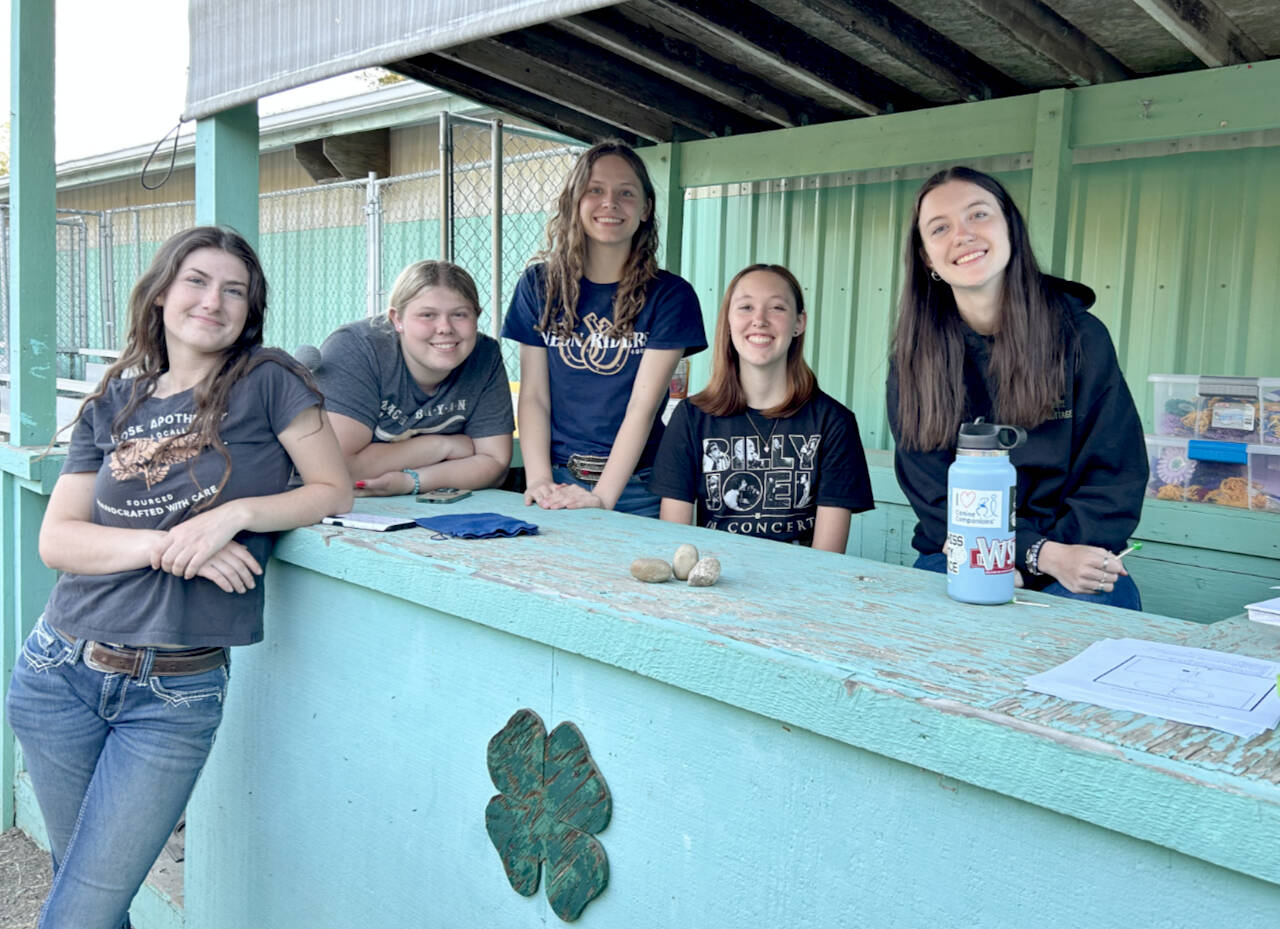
{"points": [[121, 75]]}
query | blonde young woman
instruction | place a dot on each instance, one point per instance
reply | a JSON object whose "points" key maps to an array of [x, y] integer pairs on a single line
{"points": [[175, 482], [419, 398], [600, 331], [763, 451]]}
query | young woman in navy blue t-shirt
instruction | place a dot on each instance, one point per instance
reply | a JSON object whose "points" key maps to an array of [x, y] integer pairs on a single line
{"points": [[601, 331]]}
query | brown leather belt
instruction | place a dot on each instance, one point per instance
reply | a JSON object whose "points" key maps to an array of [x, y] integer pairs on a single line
{"points": [[121, 659]]}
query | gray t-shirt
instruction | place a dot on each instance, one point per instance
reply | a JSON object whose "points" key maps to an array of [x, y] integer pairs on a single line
{"points": [[363, 376], [140, 486]]}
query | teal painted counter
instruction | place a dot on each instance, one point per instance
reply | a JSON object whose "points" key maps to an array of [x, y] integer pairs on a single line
{"points": [[817, 740]]}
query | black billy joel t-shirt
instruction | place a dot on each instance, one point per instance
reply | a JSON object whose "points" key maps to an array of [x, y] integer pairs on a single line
{"points": [[752, 475]]}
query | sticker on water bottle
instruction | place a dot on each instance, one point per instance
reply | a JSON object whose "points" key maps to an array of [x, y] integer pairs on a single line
{"points": [[992, 556], [977, 509], [955, 552]]}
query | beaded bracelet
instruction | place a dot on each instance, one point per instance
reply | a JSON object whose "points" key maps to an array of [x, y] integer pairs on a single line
{"points": [[417, 479], [1033, 557]]}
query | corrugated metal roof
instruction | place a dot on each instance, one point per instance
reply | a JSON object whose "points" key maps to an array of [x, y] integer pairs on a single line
{"points": [[674, 70], [242, 50]]}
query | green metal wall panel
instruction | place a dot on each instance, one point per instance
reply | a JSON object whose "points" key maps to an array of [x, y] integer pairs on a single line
{"points": [[1183, 251]]}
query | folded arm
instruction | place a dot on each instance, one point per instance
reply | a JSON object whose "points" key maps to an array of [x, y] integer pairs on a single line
{"points": [[326, 489]]}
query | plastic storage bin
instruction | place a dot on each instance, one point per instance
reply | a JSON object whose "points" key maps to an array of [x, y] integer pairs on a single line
{"points": [[1264, 478], [1174, 404], [1217, 477], [1220, 473], [1269, 387], [1228, 409]]}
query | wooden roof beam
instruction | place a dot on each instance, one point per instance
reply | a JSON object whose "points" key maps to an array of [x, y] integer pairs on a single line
{"points": [[1051, 37], [902, 37], [759, 42], [482, 88], [602, 69], [562, 86], [1203, 28], [683, 63]]}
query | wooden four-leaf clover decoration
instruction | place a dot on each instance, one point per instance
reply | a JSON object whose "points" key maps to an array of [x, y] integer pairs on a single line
{"points": [[552, 800]]}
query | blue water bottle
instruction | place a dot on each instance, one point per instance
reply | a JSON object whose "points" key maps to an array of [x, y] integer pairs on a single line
{"points": [[982, 491]]}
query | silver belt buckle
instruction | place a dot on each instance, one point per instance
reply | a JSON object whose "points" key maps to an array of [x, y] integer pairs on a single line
{"points": [[89, 646]]}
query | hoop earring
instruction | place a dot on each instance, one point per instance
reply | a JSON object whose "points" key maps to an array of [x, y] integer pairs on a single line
{"points": [[934, 274]]}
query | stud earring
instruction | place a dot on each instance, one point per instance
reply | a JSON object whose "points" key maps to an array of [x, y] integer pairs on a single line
{"points": [[934, 274]]}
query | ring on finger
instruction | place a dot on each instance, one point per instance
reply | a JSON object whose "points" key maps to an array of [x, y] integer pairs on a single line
{"points": [[1098, 589], [1105, 559]]}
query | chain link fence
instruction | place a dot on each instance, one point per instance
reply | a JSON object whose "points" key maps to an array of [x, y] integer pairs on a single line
{"points": [[330, 252], [312, 243]]}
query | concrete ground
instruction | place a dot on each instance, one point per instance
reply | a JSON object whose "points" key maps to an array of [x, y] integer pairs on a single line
{"points": [[24, 880]]}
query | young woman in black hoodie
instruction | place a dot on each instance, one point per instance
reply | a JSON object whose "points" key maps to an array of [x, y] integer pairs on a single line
{"points": [[982, 332]]}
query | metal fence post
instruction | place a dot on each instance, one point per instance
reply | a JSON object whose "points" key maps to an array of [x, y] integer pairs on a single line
{"points": [[446, 188], [137, 243], [373, 246], [107, 270], [496, 221], [78, 360]]}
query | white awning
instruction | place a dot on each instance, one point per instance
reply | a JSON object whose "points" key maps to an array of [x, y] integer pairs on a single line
{"points": [[245, 49]]}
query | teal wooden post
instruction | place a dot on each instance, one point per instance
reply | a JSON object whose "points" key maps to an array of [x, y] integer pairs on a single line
{"points": [[32, 331], [663, 162], [227, 170], [31, 336], [9, 638], [1051, 179]]}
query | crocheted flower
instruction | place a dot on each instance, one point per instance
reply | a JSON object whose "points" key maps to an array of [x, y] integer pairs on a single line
{"points": [[1173, 466]]}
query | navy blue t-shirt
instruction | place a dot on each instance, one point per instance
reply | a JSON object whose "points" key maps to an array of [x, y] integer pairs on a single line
{"points": [[752, 475], [591, 372]]}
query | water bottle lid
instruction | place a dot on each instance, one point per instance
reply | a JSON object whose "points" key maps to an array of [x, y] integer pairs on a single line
{"points": [[990, 436]]}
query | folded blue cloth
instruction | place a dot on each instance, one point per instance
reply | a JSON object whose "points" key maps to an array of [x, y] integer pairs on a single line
{"points": [[477, 525]]}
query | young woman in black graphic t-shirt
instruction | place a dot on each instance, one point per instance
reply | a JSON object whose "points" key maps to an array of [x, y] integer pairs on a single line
{"points": [[762, 451]]}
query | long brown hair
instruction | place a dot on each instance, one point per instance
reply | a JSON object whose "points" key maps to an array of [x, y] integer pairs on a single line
{"points": [[1028, 352], [146, 356], [566, 249], [723, 395]]}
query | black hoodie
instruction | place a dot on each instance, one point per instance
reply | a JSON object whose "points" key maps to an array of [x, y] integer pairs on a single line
{"points": [[1081, 473]]}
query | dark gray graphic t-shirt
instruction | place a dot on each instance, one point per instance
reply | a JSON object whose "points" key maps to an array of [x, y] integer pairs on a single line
{"points": [[363, 376], [144, 483]]}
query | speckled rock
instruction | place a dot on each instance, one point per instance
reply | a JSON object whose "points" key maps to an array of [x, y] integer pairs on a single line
{"points": [[683, 560], [705, 573], [651, 570]]}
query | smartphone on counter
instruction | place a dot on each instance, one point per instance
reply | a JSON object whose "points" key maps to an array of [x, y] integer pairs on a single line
{"points": [[443, 495], [372, 521]]}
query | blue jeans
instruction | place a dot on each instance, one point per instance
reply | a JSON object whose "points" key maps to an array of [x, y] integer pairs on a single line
{"points": [[1124, 594], [113, 761], [635, 498]]}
